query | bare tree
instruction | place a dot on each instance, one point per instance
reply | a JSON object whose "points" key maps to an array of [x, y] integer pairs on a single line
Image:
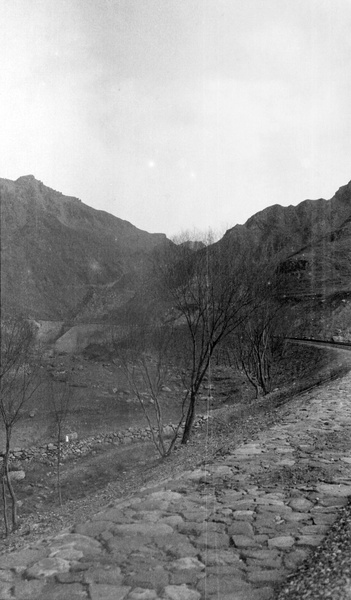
{"points": [[19, 379], [144, 355], [209, 296], [59, 398], [257, 346]]}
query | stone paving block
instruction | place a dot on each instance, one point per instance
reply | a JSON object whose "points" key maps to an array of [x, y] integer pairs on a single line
{"points": [[214, 527], [47, 567], [148, 504], [212, 540], [231, 496], [222, 557], [241, 528], [223, 585], [112, 576], [243, 515], [243, 541], [76, 542], [186, 562], [279, 509], [270, 500], [165, 496], [166, 542], [6, 575], [281, 542], [242, 505], [172, 520], [266, 522], [135, 564], [264, 593], [80, 567], [71, 591], [118, 545], [5, 590], [182, 549], [266, 575], [297, 516], [191, 528], [333, 501], [314, 529], [157, 578], [93, 528], [284, 528], [336, 490], [142, 594], [260, 554], [324, 510], [309, 540], [180, 592], [22, 558], [190, 577], [28, 590], [225, 571], [107, 592], [68, 552], [143, 529], [269, 563], [69, 577], [300, 504], [324, 519], [195, 515]]}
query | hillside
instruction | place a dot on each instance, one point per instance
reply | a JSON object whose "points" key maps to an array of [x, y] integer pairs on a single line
{"points": [[289, 229], [65, 261], [57, 251], [311, 243]]}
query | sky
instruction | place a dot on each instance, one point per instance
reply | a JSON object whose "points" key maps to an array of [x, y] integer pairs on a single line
{"points": [[178, 114]]}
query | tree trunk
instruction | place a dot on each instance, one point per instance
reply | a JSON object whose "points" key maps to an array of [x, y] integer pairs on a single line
{"points": [[6, 523], [6, 475], [59, 492], [189, 421], [13, 500]]}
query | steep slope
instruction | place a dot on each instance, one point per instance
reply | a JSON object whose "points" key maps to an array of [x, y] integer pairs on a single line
{"points": [[289, 229], [56, 251], [311, 243]]}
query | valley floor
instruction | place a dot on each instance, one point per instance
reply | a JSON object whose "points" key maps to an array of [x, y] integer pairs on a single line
{"points": [[235, 524]]}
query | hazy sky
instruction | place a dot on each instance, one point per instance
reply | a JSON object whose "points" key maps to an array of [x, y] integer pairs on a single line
{"points": [[176, 114]]}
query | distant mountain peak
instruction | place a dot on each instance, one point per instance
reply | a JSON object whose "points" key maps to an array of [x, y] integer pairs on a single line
{"points": [[25, 178]]}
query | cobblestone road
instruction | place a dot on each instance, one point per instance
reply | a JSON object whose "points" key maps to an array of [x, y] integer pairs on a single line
{"points": [[231, 530]]}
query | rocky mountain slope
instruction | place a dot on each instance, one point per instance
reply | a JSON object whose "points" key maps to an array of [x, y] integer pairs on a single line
{"points": [[291, 228], [63, 260], [57, 252], [311, 243]]}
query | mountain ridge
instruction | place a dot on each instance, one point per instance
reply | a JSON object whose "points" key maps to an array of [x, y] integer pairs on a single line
{"points": [[289, 228], [54, 247], [64, 260]]}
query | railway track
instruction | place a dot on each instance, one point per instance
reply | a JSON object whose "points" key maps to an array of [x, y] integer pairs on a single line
{"points": [[321, 343]]}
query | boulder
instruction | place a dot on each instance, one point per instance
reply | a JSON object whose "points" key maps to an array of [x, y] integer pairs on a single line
{"points": [[17, 475]]}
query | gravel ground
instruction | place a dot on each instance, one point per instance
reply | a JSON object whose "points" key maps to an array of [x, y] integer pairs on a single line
{"points": [[327, 572]]}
